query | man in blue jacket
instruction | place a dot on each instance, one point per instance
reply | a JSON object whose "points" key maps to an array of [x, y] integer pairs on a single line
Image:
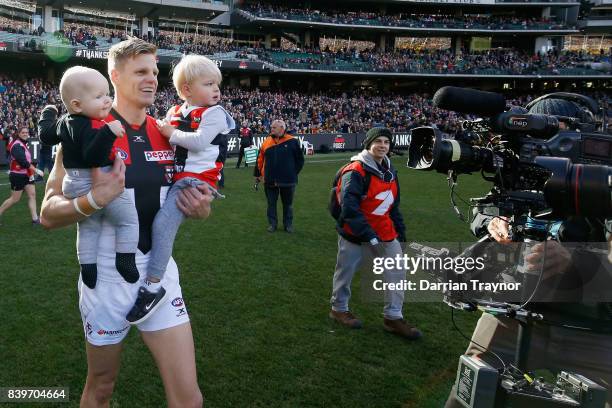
{"points": [[279, 162]]}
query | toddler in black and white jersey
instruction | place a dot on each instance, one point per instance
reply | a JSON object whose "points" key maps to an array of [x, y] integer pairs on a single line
{"points": [[198, 130]]}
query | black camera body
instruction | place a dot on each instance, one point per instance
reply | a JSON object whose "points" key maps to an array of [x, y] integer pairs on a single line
{"points": [[534, 162], [542, 167]]}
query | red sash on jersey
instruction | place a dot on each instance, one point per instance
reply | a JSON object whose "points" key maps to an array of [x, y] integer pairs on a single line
{"points": [[191, 123], [376, 210], [195, 117], [210, 176], [121, 146]]}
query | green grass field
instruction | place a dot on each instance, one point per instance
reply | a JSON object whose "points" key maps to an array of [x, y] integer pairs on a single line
{"points": [[258, 304]]}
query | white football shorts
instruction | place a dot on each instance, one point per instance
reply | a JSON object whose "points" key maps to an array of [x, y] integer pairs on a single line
{"points": [[103, 309]]}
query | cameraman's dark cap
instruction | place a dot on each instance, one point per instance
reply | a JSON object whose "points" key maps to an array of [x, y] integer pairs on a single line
{"points": [[561, 107], [375, 133]]}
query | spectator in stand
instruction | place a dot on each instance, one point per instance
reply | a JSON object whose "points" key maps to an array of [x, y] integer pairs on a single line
{"points": [[21, 102], [504, 61], [22, 99], [488, 22], [7, 141], [21, 175]]}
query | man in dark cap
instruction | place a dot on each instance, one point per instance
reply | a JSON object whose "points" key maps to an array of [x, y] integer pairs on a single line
{"points": [[370, 223]]}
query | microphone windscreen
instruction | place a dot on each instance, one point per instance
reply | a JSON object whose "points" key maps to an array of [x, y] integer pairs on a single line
{"points": [[466, 100]]}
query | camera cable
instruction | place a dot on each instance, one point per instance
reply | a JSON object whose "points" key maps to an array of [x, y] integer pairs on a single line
{"points": [[452, 183], [483, 348], [508, 371], [541, 274]]}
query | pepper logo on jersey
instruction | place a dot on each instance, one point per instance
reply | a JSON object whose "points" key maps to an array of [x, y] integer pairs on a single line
{"points": [[159, 155]]}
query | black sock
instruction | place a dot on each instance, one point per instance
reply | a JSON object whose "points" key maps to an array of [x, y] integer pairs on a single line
{"points": [[126, 265], [89, 274]]}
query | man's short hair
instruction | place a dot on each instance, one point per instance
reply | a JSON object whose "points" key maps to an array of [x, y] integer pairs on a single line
{"points": [[130, 48], [192, 67], [280, 122]]}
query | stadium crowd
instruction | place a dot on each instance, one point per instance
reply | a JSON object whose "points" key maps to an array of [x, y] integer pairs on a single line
{"points": [[79, 35], [324, 112], [185, 43], [91, 36], [412, 20], [431, 61], [18, 27], [502, 61], [21, 101]]}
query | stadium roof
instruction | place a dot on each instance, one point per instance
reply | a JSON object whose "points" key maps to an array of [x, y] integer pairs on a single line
{"points": [[149, 8]]}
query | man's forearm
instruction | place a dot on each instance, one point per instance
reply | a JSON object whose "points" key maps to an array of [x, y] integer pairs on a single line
{"points": [[58, 211]]}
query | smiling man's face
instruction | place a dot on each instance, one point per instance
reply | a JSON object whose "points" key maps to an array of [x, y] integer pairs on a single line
{"points": [[135, 79]]}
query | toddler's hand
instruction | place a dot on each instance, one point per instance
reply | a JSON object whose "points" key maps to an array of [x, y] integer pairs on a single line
{"points": [[165, 128], [116, 127]]}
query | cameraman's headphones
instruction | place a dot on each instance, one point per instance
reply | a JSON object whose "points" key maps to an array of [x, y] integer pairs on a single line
{"points": [[588, 107]]}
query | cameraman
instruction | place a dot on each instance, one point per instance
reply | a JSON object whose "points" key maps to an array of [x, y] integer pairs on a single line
{"points": [[553, 345]]}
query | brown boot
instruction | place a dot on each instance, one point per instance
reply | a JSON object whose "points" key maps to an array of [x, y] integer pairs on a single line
{"points": [[346, 319], [402, 328]]}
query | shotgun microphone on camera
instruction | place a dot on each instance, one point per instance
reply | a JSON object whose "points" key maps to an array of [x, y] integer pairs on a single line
{"points": [[467, 100]]}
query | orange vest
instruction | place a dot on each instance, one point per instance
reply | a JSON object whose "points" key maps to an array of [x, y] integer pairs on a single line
{"points": [[376, 204]]}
